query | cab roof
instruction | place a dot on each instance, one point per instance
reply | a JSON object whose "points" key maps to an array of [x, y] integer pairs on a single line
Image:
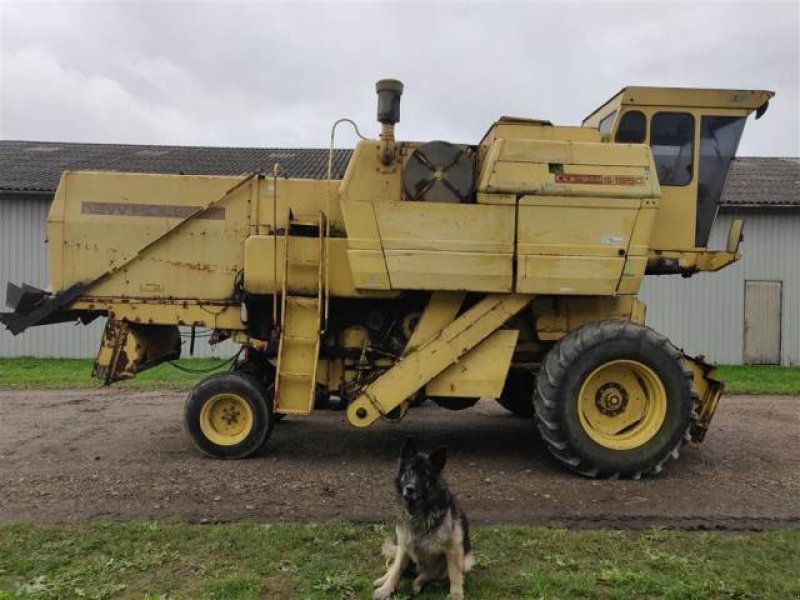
{"points": [[685, 97]]}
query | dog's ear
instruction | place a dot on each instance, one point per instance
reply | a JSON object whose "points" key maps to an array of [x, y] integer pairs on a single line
{"points": [[409, 449], [438, 458]]}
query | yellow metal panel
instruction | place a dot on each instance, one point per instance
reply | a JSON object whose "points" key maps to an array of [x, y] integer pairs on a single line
{"points": [[554, 317], [368, 179], [361, 225], [581, 227], [365, 255], [55, 235], [571, 275], [643, 229], [259, 275], [369, 270], [632, 274], [216, 315], [447, 348], [505, 199], [744, 100], [445, 227], [508, 128], [695, 97], [440, 311], [110, 216], [577, 180], [482, 372], [575, 153], [419, 270], [440, 246], [305, 198], [568, 168]]}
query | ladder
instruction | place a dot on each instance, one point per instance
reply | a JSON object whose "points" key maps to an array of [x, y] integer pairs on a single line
{"points": [[302, 302]]}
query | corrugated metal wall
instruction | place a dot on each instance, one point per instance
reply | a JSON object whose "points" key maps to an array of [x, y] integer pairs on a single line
{"points": [[703, 314], [23, 259]]}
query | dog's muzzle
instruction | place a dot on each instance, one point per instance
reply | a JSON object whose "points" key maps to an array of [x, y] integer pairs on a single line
{"points": [[410, 493]]}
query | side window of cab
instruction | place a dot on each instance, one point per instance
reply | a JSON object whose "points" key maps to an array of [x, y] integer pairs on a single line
{"points": [[632, 128], [672, 142]]}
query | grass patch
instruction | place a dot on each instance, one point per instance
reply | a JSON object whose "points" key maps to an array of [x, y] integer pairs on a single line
{"points": [[38, 373], [746, 379], [173, 559], [43, 373]]}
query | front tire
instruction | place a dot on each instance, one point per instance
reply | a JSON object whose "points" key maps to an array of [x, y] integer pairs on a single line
{"points": [[614, 399], [228, 416]]}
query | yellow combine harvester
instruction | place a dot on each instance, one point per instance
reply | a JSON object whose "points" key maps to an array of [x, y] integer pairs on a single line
{"points": [[504, 269]]}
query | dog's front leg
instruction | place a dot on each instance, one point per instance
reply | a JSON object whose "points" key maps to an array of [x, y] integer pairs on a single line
{"points": [[388, 583], [455, 572]]}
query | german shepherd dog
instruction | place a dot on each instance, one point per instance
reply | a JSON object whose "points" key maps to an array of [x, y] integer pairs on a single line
{"points": [[431, 530]]}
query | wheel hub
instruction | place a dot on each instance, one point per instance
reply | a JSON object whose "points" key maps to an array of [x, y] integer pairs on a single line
{"points": [[230, 414], [622, 404], [611, 399], [226, 419]]}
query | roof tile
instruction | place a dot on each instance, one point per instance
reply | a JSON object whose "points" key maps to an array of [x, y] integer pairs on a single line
{"points": [[37, 166]]}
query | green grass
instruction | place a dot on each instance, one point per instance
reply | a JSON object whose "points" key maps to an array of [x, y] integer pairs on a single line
{"points": [[760, 380], [176, 560], [35, 373], [40, 373]]}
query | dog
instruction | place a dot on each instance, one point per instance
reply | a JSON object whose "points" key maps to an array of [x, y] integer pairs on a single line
{"points": [[431, 532]]}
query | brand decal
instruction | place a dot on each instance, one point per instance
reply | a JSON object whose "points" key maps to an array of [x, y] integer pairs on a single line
{"points": [[170, 211], [599, 179]]}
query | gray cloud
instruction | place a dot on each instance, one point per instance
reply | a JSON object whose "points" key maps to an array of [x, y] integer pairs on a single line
{"points": [[270, 74]]}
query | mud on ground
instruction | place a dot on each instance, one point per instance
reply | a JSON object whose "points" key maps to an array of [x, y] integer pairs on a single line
{"points": [[109, 454]]}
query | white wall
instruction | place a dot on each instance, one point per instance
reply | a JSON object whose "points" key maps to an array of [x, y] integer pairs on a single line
{"points": [[705, 314]]}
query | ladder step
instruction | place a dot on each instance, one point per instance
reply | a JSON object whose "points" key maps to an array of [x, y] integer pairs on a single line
{"points": [[295, 375], [299, 339], [309, 263]]}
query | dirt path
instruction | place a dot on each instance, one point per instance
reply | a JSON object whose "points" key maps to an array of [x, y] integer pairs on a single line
{"points": [[77, 455]]}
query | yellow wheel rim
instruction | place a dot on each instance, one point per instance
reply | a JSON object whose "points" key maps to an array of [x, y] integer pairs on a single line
{"points": [[226, 419], [622, 404]]}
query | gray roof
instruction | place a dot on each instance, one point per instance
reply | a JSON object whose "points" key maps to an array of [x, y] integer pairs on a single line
{"points": [[37, 166], [763, 182]]}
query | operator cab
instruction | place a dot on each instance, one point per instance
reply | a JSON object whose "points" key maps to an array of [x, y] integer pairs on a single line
{"points": [[693, 135]]}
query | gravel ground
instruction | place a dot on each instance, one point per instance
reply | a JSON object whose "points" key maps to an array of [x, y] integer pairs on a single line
{"points": [[109, 454]]}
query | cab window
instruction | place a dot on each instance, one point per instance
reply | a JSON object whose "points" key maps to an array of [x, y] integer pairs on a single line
{"points": [[632, 128], [672, 142], [605, 126], [719, 137]]}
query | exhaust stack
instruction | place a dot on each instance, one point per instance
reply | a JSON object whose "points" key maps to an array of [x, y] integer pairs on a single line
{"points": [[389, 92]]}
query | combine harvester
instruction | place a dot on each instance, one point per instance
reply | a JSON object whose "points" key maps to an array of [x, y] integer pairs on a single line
{"points": [[505, 269]]}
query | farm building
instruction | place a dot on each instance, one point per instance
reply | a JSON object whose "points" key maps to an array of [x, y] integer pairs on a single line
{"points": [[747, 313]]}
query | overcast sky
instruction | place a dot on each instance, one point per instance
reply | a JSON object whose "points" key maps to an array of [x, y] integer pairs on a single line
{"points": [[278, 74]]}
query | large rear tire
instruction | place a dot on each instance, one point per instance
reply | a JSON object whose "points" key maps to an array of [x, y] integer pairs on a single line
{"points": [[614, 399], [228, 416]]}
